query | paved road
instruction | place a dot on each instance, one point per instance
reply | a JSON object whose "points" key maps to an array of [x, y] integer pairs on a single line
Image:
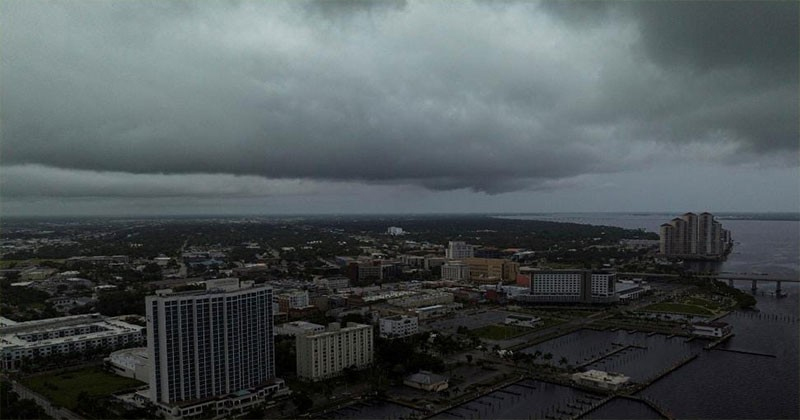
{"points": [[56, 413]]}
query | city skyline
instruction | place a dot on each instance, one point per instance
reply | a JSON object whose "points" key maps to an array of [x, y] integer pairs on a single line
{"points": [[140, 108]]}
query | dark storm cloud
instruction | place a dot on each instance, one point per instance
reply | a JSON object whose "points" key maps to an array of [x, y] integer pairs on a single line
{"points": [[492, 97], [710, 35]]}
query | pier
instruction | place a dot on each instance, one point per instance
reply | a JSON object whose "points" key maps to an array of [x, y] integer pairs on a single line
{"points": [[662, 412], [752, 353], [597, 359], [669, 370]]}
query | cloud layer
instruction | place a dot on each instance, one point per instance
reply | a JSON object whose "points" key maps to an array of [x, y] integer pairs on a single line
{"points": [[251, 98]]}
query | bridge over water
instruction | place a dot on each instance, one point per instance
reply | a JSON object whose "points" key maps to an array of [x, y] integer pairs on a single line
{"points": [[753, 278]]}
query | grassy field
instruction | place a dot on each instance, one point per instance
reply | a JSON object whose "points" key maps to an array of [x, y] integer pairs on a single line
{"points": [[702, 303], [500, 332], [678, 308], [63, 388]]}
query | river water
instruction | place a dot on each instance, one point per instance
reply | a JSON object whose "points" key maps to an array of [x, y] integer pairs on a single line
{"points": [[721, 383]]}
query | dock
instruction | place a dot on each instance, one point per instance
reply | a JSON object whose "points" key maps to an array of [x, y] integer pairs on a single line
{"points": [[669, 370]]}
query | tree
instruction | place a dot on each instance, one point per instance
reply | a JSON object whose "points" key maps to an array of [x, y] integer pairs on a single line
{"points": [[563, 361], [469, 358], [547, 356], [12, 407], [351, 375], [302, 401]]}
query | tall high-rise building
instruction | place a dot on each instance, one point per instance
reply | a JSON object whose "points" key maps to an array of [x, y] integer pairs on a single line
{"points": [[207, 344], [457, 250], [693, 235]]}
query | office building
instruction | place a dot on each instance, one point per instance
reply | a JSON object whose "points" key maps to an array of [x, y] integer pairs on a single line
{"points": [[694, 236], [327, 354], [491, 270], [455, 271], [457, 250], [399, 326], [211, 349], [295, 299], [296, 328]]}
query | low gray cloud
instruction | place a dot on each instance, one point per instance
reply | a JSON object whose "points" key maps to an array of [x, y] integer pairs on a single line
{"points": [[484, 96], [25, 181]]}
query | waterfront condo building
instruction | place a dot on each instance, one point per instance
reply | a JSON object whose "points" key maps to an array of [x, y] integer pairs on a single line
{"points": [[327, 354], [211, 349], [694, 236], [572, 286]]}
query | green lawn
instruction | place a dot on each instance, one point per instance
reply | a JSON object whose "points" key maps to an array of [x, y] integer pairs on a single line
{"points": [[63, 388], [678, 308], [701, 302], [500, 332]]}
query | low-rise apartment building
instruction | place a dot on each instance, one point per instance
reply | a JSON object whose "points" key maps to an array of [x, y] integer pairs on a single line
{"points": [[327, 354], [65, 335]]}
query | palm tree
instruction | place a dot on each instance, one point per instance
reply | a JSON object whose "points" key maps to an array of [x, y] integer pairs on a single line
{"points": [[563, 361]]}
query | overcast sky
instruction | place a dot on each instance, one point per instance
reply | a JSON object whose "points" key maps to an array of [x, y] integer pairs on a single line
{"points": [[231, 107]]}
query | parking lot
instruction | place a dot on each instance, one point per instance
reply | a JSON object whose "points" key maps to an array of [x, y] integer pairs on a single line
{"points": [[470, 320]]}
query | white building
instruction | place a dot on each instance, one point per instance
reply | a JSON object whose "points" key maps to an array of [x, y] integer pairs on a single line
{"points": [[399, 326], [326, 354], [435, 311], [457, 250], [423, 298], [292, 300], [131, 363], [604, 285], [600, 379], [298, 328], [427, 381], [65, 335], [522, 320], [628, 290], [334, 283], [711, 329], [205, 345], [455, 271], [395, 231]]}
